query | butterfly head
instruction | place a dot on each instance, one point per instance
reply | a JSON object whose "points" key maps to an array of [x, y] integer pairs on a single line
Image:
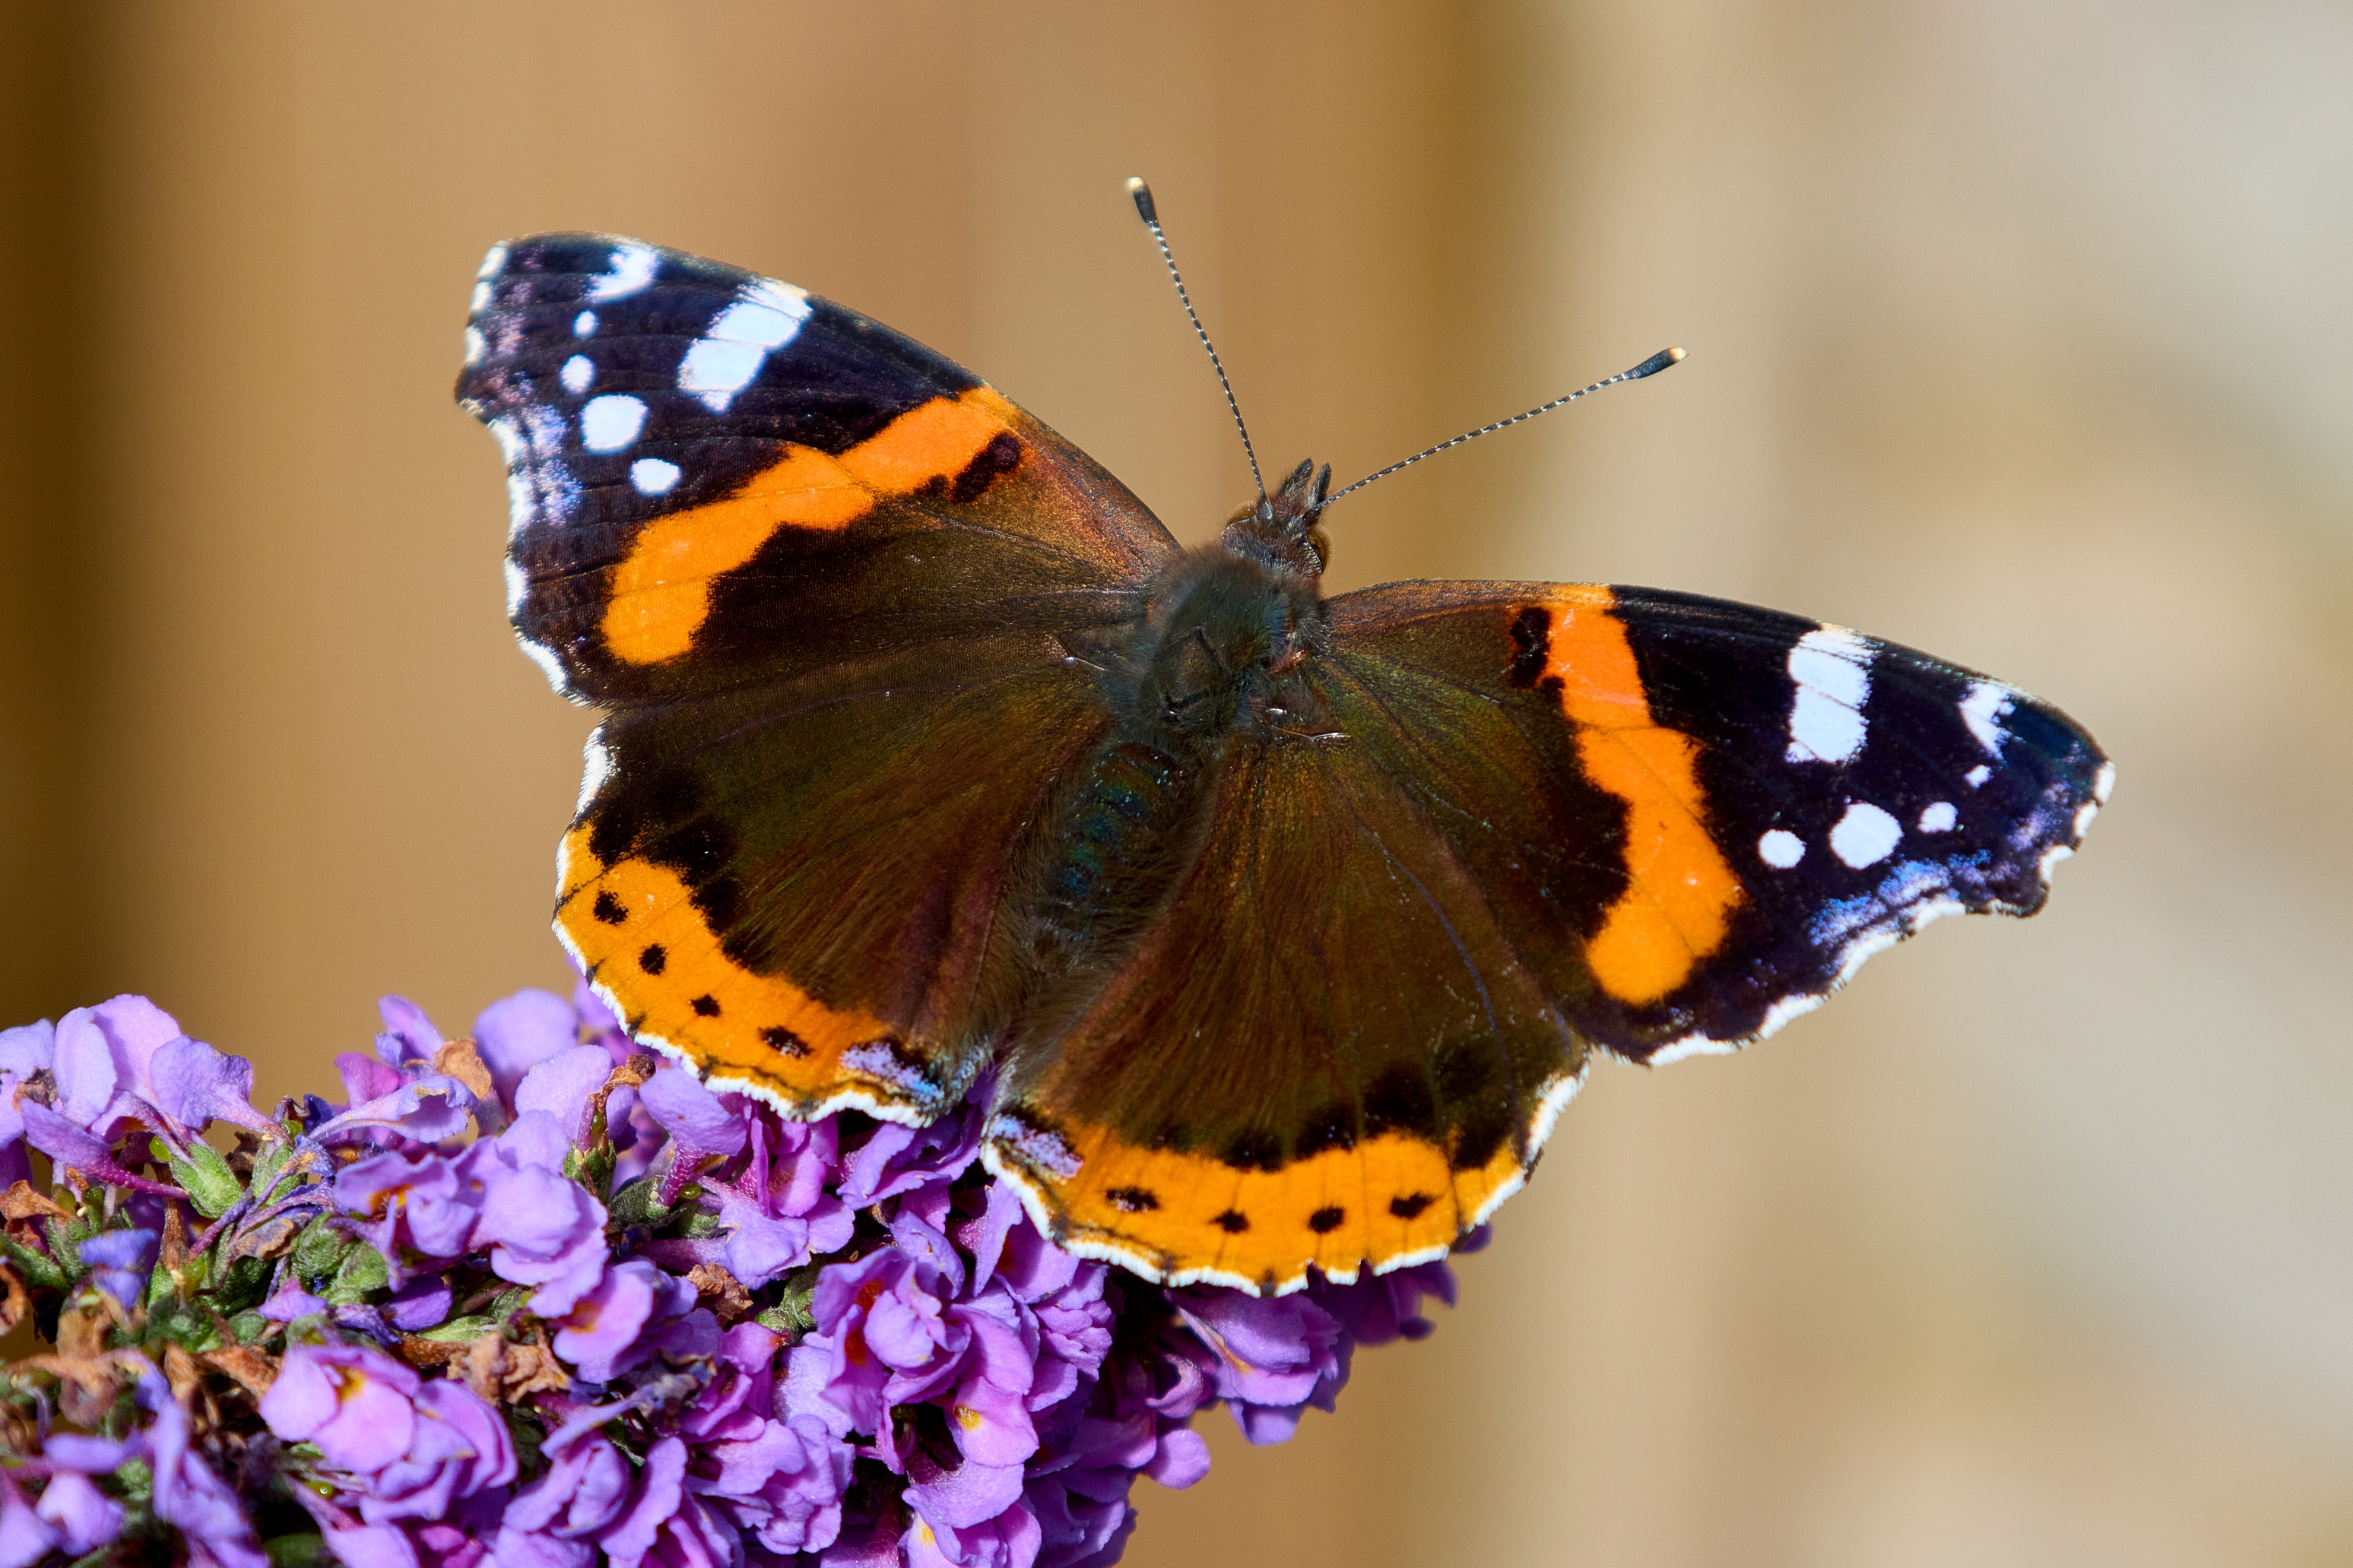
{"points": [[1282, 530], [1227, 628]]}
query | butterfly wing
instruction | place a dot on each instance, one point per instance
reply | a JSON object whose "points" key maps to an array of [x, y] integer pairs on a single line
{"points": [[1765, 801], [1531, 820], [837, 594], [1322, 1050]]}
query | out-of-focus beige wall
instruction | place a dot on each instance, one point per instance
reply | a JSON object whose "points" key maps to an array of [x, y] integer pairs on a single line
{"points": [[2019, 332]]}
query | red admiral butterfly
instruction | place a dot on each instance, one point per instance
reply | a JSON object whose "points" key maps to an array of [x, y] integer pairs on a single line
{"points": [[1285, 925]]}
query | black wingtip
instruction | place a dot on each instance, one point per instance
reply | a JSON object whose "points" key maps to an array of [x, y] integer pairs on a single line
{"points": [[1142, 194], [1655, 363]]}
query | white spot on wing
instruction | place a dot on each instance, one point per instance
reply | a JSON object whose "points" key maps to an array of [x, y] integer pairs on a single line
{"points": [[726, 358], [1831, 667], [480, 300], [1982, 709], [1780, 848], [609, 423], [494, 260], [1865, 836], [2102, 781], [474, 346], [1977, 776], [584, 325], [652, 476], [578, 374], [517, 586], [629, 268], [1939, 816]]}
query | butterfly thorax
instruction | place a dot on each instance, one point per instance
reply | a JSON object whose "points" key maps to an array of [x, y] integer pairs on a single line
{"points": [[1227, 630], [1219, 657]]}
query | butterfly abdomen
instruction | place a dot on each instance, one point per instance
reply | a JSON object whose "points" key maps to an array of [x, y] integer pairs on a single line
{"points": [[1110, 851]]}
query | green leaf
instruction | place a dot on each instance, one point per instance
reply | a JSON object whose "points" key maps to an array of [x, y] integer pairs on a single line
{"points": [[596, 1170], [319, 1249], [297, 1551], [65, 1236], [266, 1160], [456, 1330], [247, 1281], [249, 1327], [363, 1270], [38, 1269], [637, 1203], [211, 1186]]}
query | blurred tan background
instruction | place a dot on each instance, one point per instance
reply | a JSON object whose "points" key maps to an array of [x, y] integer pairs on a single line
{"points": [[2019, 332]]}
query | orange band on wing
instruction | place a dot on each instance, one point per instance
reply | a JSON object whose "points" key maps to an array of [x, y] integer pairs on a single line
{"points": [[1680, 892], [662, 590], [634, 928], [1195, 1215]]}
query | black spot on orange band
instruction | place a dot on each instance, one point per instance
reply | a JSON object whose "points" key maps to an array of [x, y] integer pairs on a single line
{"points": [[1254, 1149], [1233, 1221], [1410, 1205], [654, 959], [611, 910], [776, 1037], [1334, 1127], [1133, 1200], [1327, 1219], [706, 1005]]}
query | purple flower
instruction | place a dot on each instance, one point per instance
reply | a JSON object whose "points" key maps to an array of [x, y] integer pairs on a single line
{"points": [[600, 1335], [121, 1261], [196, 1085], [74, 1146], [563, 1084], [104, 1051], [358, 1406], [408, 1035], [428, 1108], [84, 1518], [701, 1128], [421, 1204], [459, 1448], [517, 1032], [1274, 1356], [542, 1228]]}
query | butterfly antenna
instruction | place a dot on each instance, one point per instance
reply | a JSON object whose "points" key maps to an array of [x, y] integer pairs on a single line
{"points": [[1651, 367], [1151, 217]]}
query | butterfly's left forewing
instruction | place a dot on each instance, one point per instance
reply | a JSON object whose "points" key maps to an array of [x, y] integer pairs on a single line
{"points": [[838, 596]]}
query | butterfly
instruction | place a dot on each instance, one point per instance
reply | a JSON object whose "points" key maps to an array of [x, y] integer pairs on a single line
{"points": [[1279, 927]]}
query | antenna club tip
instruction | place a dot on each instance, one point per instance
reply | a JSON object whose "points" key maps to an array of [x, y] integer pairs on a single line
{"points": [[1675, 354], [1141, 193], [1655, 363]]}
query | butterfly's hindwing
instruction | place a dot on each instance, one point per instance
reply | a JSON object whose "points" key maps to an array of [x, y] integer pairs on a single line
{"points": [[1322, 1051]]}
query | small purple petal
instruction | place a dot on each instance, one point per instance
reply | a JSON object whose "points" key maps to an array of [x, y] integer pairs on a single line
{"points": [[517, 1032], [71, 1145], [27, 1048], [86, 1519], [409, 1034], [700, 1127], [427, 1108], [562, 1085], [197, 1085]]}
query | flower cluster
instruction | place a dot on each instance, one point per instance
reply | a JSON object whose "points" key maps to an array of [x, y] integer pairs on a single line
{"points": [[629, 1321]]}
